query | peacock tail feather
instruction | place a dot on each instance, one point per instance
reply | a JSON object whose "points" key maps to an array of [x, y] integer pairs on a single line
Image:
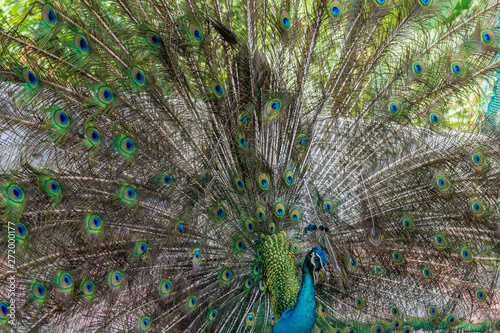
{"points": [[166, 166]]}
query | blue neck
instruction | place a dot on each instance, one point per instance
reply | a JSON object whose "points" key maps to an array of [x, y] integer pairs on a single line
{"points": [[303, 316], [306, 300]]}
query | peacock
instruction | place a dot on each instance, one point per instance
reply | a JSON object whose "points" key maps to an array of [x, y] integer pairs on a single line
{"points": [[250, 166]]}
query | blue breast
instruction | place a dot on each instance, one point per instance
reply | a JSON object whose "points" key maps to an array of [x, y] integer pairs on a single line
{"points": [[301, 318]]}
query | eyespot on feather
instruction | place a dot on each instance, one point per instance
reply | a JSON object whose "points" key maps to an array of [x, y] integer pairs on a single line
{"points": [[394, 108], [212, 315], [52, 188], [180, 227], [359, 303], [192, 303], [330, 206], [478, 160], [164, 288], [238, 182], [285, 20], [65, 282], [4, 311], [248, 224], [302, 141], [273, 108], [241, 141], [258, 253], [444, 184], [335, 9], [426, 3], [81, 44], [88, 289], [263, 181], [407, 329], [457, 68], [481, 295], [14, 193], [225, 275], [440, 241], [137, 76], [196, 255], [488, 36], [427, 273], [216, 88], [126, 146], [397, 257], [144, 324], [451, 320], [141, 249], [115, 279], [195, 33], [30, 78], [379, 270], [377, 329], [432, 311], [352, 264], [93, 136], [21, 233], [273, 319], [397, 325], [128, 195], [418, 67], [49, 15], [60, 119], [279, 210], [295, 215], [262, 285], [433, 321], [496, 325], [153, 39], [256, 270], [435, 119], [238, 244], [218, 212], [250, 319], [478, 208], [104, 95], [289, 177], [166, 180], [243, 119], [466, 255], [39, 292], [322, 240], [260, 213]]}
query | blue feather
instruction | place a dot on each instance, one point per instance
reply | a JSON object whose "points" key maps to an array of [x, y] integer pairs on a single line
{"points": [[302, 317]]}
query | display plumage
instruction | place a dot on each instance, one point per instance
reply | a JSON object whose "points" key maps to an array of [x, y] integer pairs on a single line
{"points": [[166, 166]]}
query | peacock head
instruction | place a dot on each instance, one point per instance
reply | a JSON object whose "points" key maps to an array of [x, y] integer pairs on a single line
{"points": [[316, 261]]}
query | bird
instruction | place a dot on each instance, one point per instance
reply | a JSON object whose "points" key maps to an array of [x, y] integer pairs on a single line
{"points": [[328, 166]]}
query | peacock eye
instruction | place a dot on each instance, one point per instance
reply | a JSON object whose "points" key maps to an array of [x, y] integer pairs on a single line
{"points": [[316, 259]]}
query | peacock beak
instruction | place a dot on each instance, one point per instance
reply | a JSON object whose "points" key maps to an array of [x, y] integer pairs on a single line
{"points": [[316, 274]]}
